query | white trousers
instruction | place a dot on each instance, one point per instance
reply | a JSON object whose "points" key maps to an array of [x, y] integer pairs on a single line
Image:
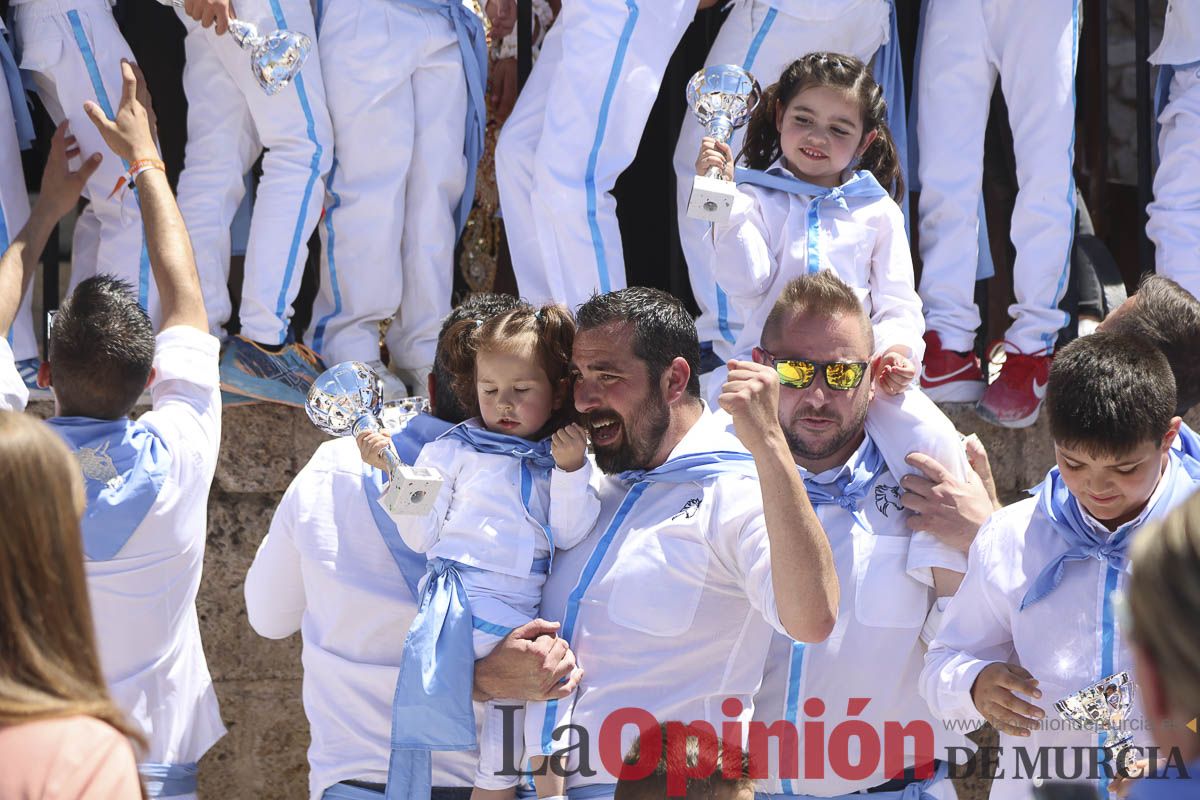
{"points": [[1033, 48], [575, 127], [1174, 224], [14, 211], [397, 96], [230, 120], [73, 49], [763, 41]]}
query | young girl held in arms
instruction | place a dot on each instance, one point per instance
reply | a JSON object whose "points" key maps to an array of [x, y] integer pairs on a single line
{"points": [[516, 490], [821, 163]]}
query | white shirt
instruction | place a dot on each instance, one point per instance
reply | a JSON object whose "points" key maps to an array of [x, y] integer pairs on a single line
{"points": [[13, 392], [144, 598], [1059, 639], [479, 519], [323, 569], [676, 607], [875, 650], [764, 245], [1181, 34]]}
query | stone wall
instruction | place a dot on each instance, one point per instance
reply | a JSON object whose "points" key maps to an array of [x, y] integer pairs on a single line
{"points": [[258, 680]]}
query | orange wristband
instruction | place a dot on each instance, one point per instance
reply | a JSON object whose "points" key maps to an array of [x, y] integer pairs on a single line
{"points": [[135, 169]]}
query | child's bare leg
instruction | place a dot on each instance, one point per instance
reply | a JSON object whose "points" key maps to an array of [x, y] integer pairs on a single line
{"points": [[547, 777]]}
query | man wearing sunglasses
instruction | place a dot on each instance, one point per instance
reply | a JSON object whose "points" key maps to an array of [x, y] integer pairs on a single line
{"points": [[811, 378]]}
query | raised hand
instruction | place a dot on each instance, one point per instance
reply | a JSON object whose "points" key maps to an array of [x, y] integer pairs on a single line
{"points": [[131, 134], [61, 186]]}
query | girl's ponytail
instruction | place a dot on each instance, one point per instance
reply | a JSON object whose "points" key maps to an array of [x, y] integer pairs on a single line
{"points": [[882, 160], [760, 147]]}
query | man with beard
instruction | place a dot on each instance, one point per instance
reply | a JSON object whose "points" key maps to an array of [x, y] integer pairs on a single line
{"points": [[670, 601], [815, 357]]}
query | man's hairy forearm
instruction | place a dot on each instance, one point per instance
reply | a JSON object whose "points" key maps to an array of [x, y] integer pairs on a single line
{"points": [[19, 263], [802, 571], [170, 252]]}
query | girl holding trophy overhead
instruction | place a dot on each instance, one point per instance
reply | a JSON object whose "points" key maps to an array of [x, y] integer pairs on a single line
{"points": [[820, 155]]}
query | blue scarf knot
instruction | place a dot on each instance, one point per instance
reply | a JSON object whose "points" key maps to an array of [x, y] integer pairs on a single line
{"points": [[850, 487]]}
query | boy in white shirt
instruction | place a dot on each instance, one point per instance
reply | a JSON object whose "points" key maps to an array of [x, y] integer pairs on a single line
{"points": [[1033, 621], [146, 481]]}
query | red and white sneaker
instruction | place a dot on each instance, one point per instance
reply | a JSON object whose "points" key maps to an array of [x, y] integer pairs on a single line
{"points": [[1014, 399], [950, 377]]}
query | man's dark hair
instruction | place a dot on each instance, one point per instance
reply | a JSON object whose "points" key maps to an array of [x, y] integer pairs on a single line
{"points": [[1169, 316], [1110, 393], [101, 349], [677, 763], [663, 330], [482, 306]]}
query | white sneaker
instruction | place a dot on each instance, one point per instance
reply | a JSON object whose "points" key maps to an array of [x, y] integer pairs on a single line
{"points": [[417, 380], [393, 387]]}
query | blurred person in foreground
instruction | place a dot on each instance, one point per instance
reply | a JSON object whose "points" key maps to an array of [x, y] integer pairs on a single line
{"points": [[61, 735]]}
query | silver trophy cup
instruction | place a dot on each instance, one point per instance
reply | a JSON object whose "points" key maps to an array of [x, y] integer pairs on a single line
{"points": [[1104, 707], [723, 98], [346, 400], [274, 59]]}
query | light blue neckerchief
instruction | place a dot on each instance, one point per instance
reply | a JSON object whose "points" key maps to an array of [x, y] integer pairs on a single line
{"points": [[416, 433], [124, 466], [411, 564], [848, 488], [683, 469], [1189, 443], [1064, 513], [16, 91], [861, 184], [472, 43]]}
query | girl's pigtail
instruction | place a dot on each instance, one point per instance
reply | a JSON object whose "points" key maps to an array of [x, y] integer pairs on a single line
{"points": [[883, 161], [460, 345], [760, 147]]}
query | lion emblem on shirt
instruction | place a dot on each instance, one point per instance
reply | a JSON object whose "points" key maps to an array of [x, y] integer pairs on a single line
{"points": [[97, 465], [887, 497]]}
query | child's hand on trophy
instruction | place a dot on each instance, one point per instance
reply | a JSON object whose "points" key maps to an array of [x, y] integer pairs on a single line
{"points": [[715, 154], [371, 446], [210, 12]]}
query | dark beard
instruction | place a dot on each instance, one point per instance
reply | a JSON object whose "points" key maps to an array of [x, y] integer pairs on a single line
{"points": [[853, 428], [636, 447]]}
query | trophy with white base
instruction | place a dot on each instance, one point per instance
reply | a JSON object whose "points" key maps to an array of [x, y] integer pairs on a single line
{"points": [[346, 400], [722, 98], [1104, 707], [274, 59]]}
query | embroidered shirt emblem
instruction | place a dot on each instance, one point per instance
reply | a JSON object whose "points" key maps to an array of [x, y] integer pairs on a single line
{"points": [[689, 509], [887, 496], [97, 465]]}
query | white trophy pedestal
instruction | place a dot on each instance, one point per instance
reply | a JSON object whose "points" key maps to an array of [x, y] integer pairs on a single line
{"points": [[411, 491], [711, 199]]}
